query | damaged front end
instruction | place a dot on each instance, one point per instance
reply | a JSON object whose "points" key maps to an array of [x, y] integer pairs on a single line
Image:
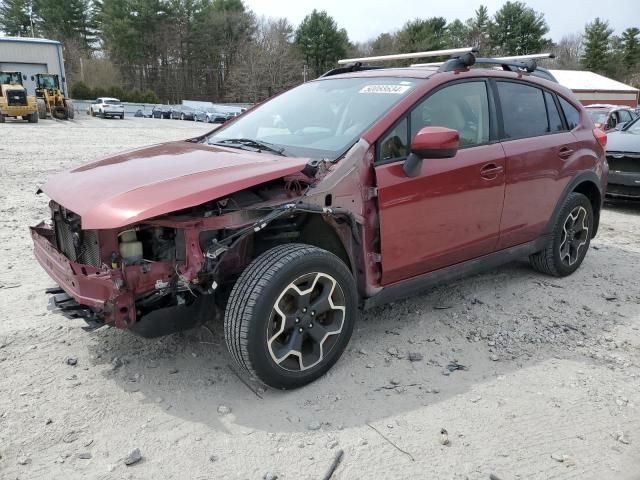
{"points": [[172, 272]]}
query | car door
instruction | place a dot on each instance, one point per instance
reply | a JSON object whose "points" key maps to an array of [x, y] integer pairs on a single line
{"points": [[538, 147], [450, 212]]}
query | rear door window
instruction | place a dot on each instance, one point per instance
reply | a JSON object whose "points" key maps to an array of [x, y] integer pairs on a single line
{"points": [[524, 112], [571, 113]]}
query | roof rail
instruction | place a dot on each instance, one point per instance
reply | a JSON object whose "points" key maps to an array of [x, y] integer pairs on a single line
{"points": [[534, 56], [404, 56], [528, 65]]}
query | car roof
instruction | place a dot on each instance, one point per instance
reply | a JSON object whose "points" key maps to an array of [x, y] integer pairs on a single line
{"points": [[406, 72], [604, 106]]}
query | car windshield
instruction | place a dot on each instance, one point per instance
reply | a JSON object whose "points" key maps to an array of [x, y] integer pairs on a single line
{"points": [[319, 119], [597, 116], [633, 127], [112, 101]]}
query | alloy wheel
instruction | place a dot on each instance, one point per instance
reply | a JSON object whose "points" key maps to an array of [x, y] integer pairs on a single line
{"points": [[306, 321], [575, 235]]}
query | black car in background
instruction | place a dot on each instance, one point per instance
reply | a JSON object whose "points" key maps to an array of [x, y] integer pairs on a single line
{"points": [[161, 111], [623, 157]]}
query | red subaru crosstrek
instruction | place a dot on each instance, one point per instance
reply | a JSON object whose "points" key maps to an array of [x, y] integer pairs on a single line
{"points": [[346, 192]]}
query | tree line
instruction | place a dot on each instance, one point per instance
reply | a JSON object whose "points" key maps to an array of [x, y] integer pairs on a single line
{"points": [[220, 50]]}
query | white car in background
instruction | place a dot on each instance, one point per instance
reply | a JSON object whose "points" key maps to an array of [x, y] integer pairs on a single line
{"points": [[107, 107]]}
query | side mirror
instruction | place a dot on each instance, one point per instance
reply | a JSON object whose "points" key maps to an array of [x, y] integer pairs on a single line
{"points": [[430, 142]]}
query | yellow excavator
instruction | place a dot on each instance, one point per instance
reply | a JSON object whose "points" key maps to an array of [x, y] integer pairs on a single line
{"points": [[50, 98], [14, 101]]}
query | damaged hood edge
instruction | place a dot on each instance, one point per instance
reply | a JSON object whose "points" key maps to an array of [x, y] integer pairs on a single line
{"points": [[134, 186]]}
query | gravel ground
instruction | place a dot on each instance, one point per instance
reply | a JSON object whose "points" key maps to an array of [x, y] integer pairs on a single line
{"points": [[550, 389]]}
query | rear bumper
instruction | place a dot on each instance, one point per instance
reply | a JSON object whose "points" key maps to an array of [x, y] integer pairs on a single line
{"points": [[98, 289], [623, 184]]}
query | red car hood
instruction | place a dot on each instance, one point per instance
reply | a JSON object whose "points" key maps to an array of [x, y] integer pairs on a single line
{"points": [[141, 184]]}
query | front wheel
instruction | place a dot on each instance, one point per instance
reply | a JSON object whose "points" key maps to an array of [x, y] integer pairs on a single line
{"points": [[569, 240], [290, 315]]}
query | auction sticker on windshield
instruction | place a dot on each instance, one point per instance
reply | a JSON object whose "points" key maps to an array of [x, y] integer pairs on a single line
{"points": [[395, 89]]}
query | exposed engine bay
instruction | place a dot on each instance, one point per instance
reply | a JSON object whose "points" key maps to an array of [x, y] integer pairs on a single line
{"points": [[174, 271]]}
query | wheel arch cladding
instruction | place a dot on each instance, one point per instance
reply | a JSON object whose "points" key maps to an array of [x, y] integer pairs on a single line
{"points": [[586, 183]]}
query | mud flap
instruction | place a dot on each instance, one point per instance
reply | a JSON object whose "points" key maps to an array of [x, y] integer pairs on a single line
{"points": [[166, 321]]}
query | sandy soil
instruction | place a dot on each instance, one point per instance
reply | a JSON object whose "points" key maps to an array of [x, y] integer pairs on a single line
{"points": [[551, 389]]}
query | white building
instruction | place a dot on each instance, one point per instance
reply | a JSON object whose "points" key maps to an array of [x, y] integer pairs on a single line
{"points": [[30, 56], [592, 88]]}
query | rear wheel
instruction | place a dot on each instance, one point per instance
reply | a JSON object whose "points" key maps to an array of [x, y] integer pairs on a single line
{"points": [[290, 315], [33, 118], [570, 238], [1, 118]]}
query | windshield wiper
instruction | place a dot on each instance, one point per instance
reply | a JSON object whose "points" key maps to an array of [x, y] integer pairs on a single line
{"points": [[248, 142]]}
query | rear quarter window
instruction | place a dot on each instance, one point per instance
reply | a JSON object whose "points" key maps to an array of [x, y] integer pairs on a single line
{"points": [[571, 113]]}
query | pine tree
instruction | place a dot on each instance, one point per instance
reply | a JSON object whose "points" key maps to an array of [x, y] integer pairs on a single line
{"points": [[478, 27], [630, 47], [597, 37], [15, 17], [518, 30], [320, 41]]}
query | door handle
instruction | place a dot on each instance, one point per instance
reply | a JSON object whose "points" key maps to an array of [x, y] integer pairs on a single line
{"points": [[565, 152], [490, 171]]}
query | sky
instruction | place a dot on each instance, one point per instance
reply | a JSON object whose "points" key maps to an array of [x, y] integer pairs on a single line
{"points": [[365, 19]]}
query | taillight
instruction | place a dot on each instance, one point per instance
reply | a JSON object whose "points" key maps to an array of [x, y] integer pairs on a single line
{"points": [[601, 137]]}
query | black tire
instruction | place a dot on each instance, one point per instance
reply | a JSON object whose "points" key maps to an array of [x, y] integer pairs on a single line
{"points": [[42, 108], [33, 118], [122, 117], [568, 244], [2, 118], [71, 113], [266, 284]]}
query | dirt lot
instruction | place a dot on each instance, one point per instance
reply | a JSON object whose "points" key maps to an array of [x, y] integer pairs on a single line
{"points": [[551, 388]]}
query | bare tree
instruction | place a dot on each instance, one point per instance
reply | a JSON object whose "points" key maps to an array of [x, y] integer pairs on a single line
{"points": [[568, 52]]}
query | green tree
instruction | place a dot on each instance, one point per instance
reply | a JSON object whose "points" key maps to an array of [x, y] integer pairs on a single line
{"points": [[68, 21], [384, 44], [15, 17], [630, 47], [320, 41], [423, 34], [518, 30], [458, 35], [478, 28], [597, 37]]}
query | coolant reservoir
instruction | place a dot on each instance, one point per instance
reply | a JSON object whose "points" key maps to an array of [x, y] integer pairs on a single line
{"points": [[130, 247]]}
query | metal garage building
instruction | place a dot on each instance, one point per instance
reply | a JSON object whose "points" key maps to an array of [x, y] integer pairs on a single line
{"points": [[31, 56], [592, 88]]}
